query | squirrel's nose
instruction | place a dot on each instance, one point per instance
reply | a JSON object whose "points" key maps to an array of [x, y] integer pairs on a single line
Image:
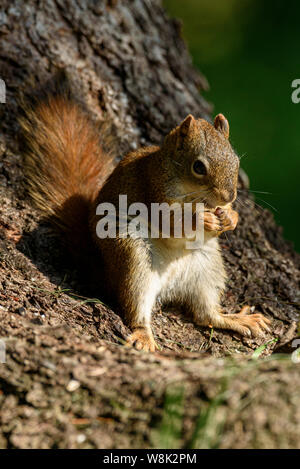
{"points": [[227, 195]]}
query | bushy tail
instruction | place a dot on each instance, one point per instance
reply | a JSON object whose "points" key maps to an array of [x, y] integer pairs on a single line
{"points": [[64, 163]]}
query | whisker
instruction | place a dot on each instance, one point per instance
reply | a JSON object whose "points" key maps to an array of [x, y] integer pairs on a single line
{"points": [[255, 192], [198, 199], [242, 156], [241, 202], [226, 237], [186, 195], [247, 203], [271, 206]]}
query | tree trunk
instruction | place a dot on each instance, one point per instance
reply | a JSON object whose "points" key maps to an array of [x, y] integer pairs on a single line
{"points": [[67, 380]]}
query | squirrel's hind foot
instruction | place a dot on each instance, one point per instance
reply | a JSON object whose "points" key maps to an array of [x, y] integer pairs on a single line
{"points": [[142, 339], [252, 325]]}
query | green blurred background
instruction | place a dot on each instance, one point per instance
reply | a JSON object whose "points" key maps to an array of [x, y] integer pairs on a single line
{"points": [[249, 52]]}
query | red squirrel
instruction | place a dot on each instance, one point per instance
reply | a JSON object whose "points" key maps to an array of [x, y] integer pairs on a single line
{"points": [[69, 174]]}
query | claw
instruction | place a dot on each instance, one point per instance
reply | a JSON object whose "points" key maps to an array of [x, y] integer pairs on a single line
{"points": [[246, 324], [227, 217], [142, 339]]}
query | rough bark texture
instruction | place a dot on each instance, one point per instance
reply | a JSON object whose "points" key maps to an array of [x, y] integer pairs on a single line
{"points": [[67, 381]]}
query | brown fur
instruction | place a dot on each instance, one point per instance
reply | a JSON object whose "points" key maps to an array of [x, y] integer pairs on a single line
{"points": [[64, 165]]}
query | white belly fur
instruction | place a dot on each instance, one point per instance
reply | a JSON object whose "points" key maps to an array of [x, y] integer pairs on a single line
{"points": [[181, 275]]}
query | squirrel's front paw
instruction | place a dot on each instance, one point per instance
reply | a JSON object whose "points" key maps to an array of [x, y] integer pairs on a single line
{"points": [[142, 339], [228, 218], [211, 222]]}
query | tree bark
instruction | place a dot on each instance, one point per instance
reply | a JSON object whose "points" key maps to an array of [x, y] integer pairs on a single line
{"points": [[66, 379]]}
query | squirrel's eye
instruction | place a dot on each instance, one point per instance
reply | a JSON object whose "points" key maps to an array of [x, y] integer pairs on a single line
{"points": [[199, 168]]}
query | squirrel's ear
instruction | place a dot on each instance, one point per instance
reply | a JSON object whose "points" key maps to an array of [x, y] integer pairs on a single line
{"points": [[186, 125], [221, 124]]}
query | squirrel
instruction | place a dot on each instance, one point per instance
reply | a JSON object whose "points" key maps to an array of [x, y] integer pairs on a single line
{"points": [[69, 174]]}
